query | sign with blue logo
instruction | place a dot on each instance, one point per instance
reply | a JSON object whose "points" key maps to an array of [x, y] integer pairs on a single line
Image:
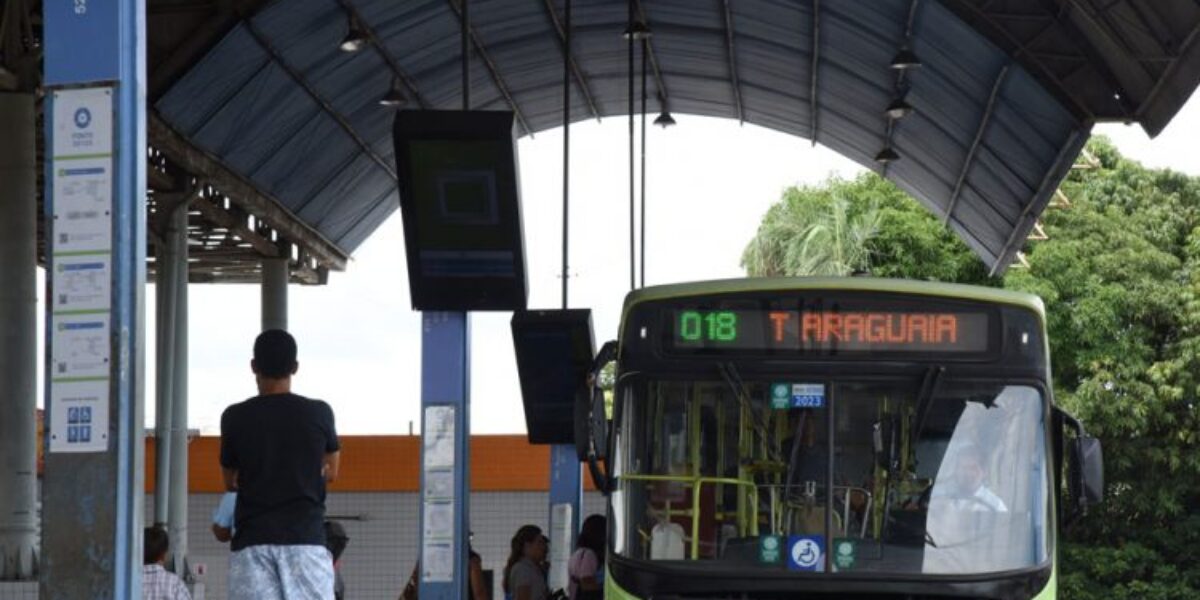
{"points": [[81, 42], [806, 553], [808, 395], [83, 118]]}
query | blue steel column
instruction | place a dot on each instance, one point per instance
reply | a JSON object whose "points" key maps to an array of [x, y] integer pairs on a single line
{"points": [[128, 312], [92, 502], [445, 382]]}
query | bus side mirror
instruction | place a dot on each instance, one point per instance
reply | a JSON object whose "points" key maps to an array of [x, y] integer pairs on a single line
{"points": [[591, 435], [1084, 466], [1087, 472], [599, 423], [591, 419], [591, 425], [583, 423]]}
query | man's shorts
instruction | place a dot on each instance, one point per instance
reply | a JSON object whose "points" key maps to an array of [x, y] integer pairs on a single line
{"points": [[281, 573]]}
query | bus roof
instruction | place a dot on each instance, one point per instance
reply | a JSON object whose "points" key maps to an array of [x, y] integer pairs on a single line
{"points": [[855, 284]]}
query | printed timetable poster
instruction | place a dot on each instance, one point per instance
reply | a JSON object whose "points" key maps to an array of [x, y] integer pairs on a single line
{"points": [[81, 194], [437, 457]]}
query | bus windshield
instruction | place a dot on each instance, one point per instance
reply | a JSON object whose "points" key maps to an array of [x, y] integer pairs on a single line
{"points": [[831, 476]]}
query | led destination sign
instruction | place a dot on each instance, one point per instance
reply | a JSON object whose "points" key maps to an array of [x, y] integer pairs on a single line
{"points": [[830, 331]]}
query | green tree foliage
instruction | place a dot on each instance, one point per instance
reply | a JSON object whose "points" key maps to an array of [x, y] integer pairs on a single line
{"points": [[863, 224], [1120, 275], [813, 231]]}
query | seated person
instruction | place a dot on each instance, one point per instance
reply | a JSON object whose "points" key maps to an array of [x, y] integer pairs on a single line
{"points": [[968, 490]]}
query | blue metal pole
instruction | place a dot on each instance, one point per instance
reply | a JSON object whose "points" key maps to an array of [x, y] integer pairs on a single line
{"points": [[129, 284], [445, 455], [96, 140]]}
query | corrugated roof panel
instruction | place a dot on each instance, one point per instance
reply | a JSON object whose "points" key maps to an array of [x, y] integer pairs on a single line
{"points": [[962, 57], [545, 105], [258, 120], [351, 84], [759, 63], [303, 31], [973, 213], [912, 170], [314, 156], [682, 13], [1015, 151], [343, 222], [369, 222], [266, 127], [350, 192], [969, 237], [881, 20], [690, 53], [787, 25], [217, 77], [423, 38], [1003, 175], [1036, 120], [847, 137], [692, 98]]}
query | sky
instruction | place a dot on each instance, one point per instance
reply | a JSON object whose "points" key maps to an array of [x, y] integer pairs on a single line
{"points": [[709, 183]]}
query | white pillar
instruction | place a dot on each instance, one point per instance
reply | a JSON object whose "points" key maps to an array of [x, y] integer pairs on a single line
{"points": [[165, 289], [18, 338], [177, 500]]}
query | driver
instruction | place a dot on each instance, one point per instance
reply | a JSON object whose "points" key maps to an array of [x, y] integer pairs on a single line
{"points": [[967, 490]]}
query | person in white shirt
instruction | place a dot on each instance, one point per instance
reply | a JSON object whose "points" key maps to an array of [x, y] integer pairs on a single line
{"points": [[157, 582], [970, 492]]}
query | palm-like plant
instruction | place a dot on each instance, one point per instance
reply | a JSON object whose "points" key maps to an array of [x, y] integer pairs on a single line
{"points": [[812, 235]]}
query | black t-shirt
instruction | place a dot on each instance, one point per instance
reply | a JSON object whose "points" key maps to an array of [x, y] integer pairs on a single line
{"points": [[277, 444]]}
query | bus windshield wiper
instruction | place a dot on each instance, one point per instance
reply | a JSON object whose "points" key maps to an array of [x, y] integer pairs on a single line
{"points": [[929, 388]]}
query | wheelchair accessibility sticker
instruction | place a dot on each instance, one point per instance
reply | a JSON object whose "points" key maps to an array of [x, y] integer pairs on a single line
{"points": [[806, 553]]}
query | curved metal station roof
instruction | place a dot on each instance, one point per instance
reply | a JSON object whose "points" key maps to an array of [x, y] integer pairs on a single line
{"points": [[1007, 91]]}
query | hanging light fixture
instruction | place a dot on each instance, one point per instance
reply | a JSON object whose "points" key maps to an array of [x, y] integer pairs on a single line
{"points": [[664, 119], [887, 155], [898, 109], [905, 59], [355, 38], [639, 31], [395, 97]]}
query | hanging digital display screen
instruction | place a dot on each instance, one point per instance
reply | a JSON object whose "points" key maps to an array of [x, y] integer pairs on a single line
{"points": [[826, 331]]}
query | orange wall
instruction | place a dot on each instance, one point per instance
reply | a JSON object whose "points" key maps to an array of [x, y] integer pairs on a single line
{"points": [[389, 464]]}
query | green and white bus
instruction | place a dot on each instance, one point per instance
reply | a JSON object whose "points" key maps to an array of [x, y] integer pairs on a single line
{"points": [[848, 437]]}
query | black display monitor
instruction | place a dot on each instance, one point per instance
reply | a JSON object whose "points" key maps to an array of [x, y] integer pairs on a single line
{"points": [[460, 201], [555, 349]]}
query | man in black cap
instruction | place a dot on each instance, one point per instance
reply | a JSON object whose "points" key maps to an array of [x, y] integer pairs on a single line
{"points": [[278, 450]]}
